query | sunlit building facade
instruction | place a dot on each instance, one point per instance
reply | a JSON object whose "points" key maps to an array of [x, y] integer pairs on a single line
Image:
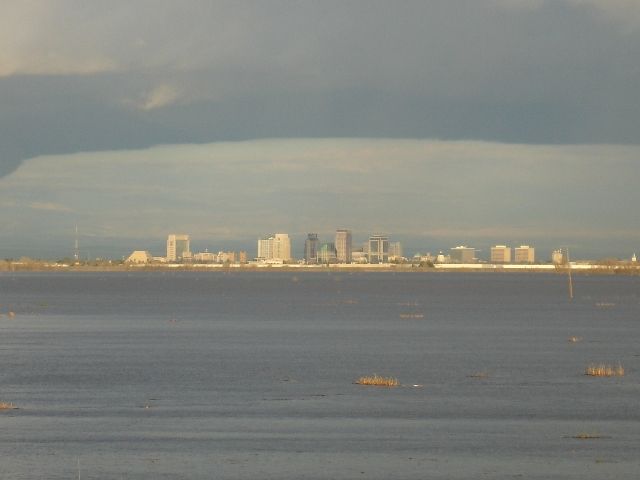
{"points": [[500, 254], [525, 254], [343, 246], [178, 248], [378, 249]]}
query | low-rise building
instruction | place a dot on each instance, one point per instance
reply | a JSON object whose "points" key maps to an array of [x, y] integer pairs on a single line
{"points": [[525, 254], [462, 254], [140, 256], [500, 254]]}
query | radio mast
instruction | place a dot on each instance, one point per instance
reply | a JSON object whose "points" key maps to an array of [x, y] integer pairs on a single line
{"points": [[76, 251]]}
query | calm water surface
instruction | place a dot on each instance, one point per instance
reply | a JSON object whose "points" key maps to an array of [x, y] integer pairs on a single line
{"points": [[250, 376]]}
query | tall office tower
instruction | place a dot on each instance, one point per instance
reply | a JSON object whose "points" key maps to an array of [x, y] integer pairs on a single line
{"points": [[282, 247], [327, 253], [500, 254], [275, 247], [178, 247], [343, 246], [395, 250], [311, 249], [265, 248], [378, 249], [525, 254], [462, 254]]}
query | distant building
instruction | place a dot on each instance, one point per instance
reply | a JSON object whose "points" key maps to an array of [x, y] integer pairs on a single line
{"points": [[462, 254], [327, 253], [358, 256], [378, 249], [242, 256], [275, 247], [343, 246], [311, 249], [205, 257], [265, 248], [178, 248], [558, 258], [226, 257], [525, 254], [139, 256], [500, 254], [395, 251]]}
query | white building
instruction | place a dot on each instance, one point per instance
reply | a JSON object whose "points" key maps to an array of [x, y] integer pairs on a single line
{"points": [[178, 247], [275, 247]]}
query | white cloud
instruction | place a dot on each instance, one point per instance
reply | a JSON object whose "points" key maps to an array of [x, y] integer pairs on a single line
{"points": [[160, 96]]}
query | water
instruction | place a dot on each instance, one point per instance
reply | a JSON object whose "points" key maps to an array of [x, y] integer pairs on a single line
{"points": [[250, 376]]}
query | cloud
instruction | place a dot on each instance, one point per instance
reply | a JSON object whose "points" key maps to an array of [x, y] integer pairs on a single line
{"points": [[625, 12], [160, 96], [49, 207]]}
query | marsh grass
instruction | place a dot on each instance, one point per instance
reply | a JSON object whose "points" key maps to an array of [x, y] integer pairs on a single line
{"points": [[412, 315], [587, 436], [7, 406], [378, 381], [574, 339], [603, 370], [479, 375]]}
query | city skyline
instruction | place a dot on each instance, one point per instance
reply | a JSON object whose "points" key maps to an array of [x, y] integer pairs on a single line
{"points": [[500, 121]]}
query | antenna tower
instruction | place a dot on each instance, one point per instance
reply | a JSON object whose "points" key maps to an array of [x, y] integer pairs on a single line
{"points": [[76, 251]]}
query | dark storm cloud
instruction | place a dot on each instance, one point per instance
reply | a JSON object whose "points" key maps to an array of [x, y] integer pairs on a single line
{"points": [[84, 76]]}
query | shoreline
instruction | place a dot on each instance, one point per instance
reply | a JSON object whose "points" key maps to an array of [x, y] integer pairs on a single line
{"points": [[577, 268]]}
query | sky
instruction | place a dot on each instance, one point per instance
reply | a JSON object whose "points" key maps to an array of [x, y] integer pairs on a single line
{"points": [[438, 122]]}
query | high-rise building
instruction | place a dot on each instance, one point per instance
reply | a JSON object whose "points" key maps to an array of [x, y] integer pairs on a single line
{"points": [[327, 253], [311, 249], [395, 250], [462, 254], [275, 247], [525, 254], [500, 254], [282, 247], [178, 248], [265, 248], [343, 246], [378, 249]]}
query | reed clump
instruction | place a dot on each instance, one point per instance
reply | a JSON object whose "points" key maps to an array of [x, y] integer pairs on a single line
{"points": [[378, 381], [604, 370], [574, 339], [479, 375], [7, 406]]}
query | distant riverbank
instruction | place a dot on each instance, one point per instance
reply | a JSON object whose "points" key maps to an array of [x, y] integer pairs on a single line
{"points": [[586, 268]]}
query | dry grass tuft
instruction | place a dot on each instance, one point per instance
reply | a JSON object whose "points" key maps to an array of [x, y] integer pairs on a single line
{"points": [[587, 436], [603, 370], [378, 381], [574, 339], [7, 406], [479, 375]]}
